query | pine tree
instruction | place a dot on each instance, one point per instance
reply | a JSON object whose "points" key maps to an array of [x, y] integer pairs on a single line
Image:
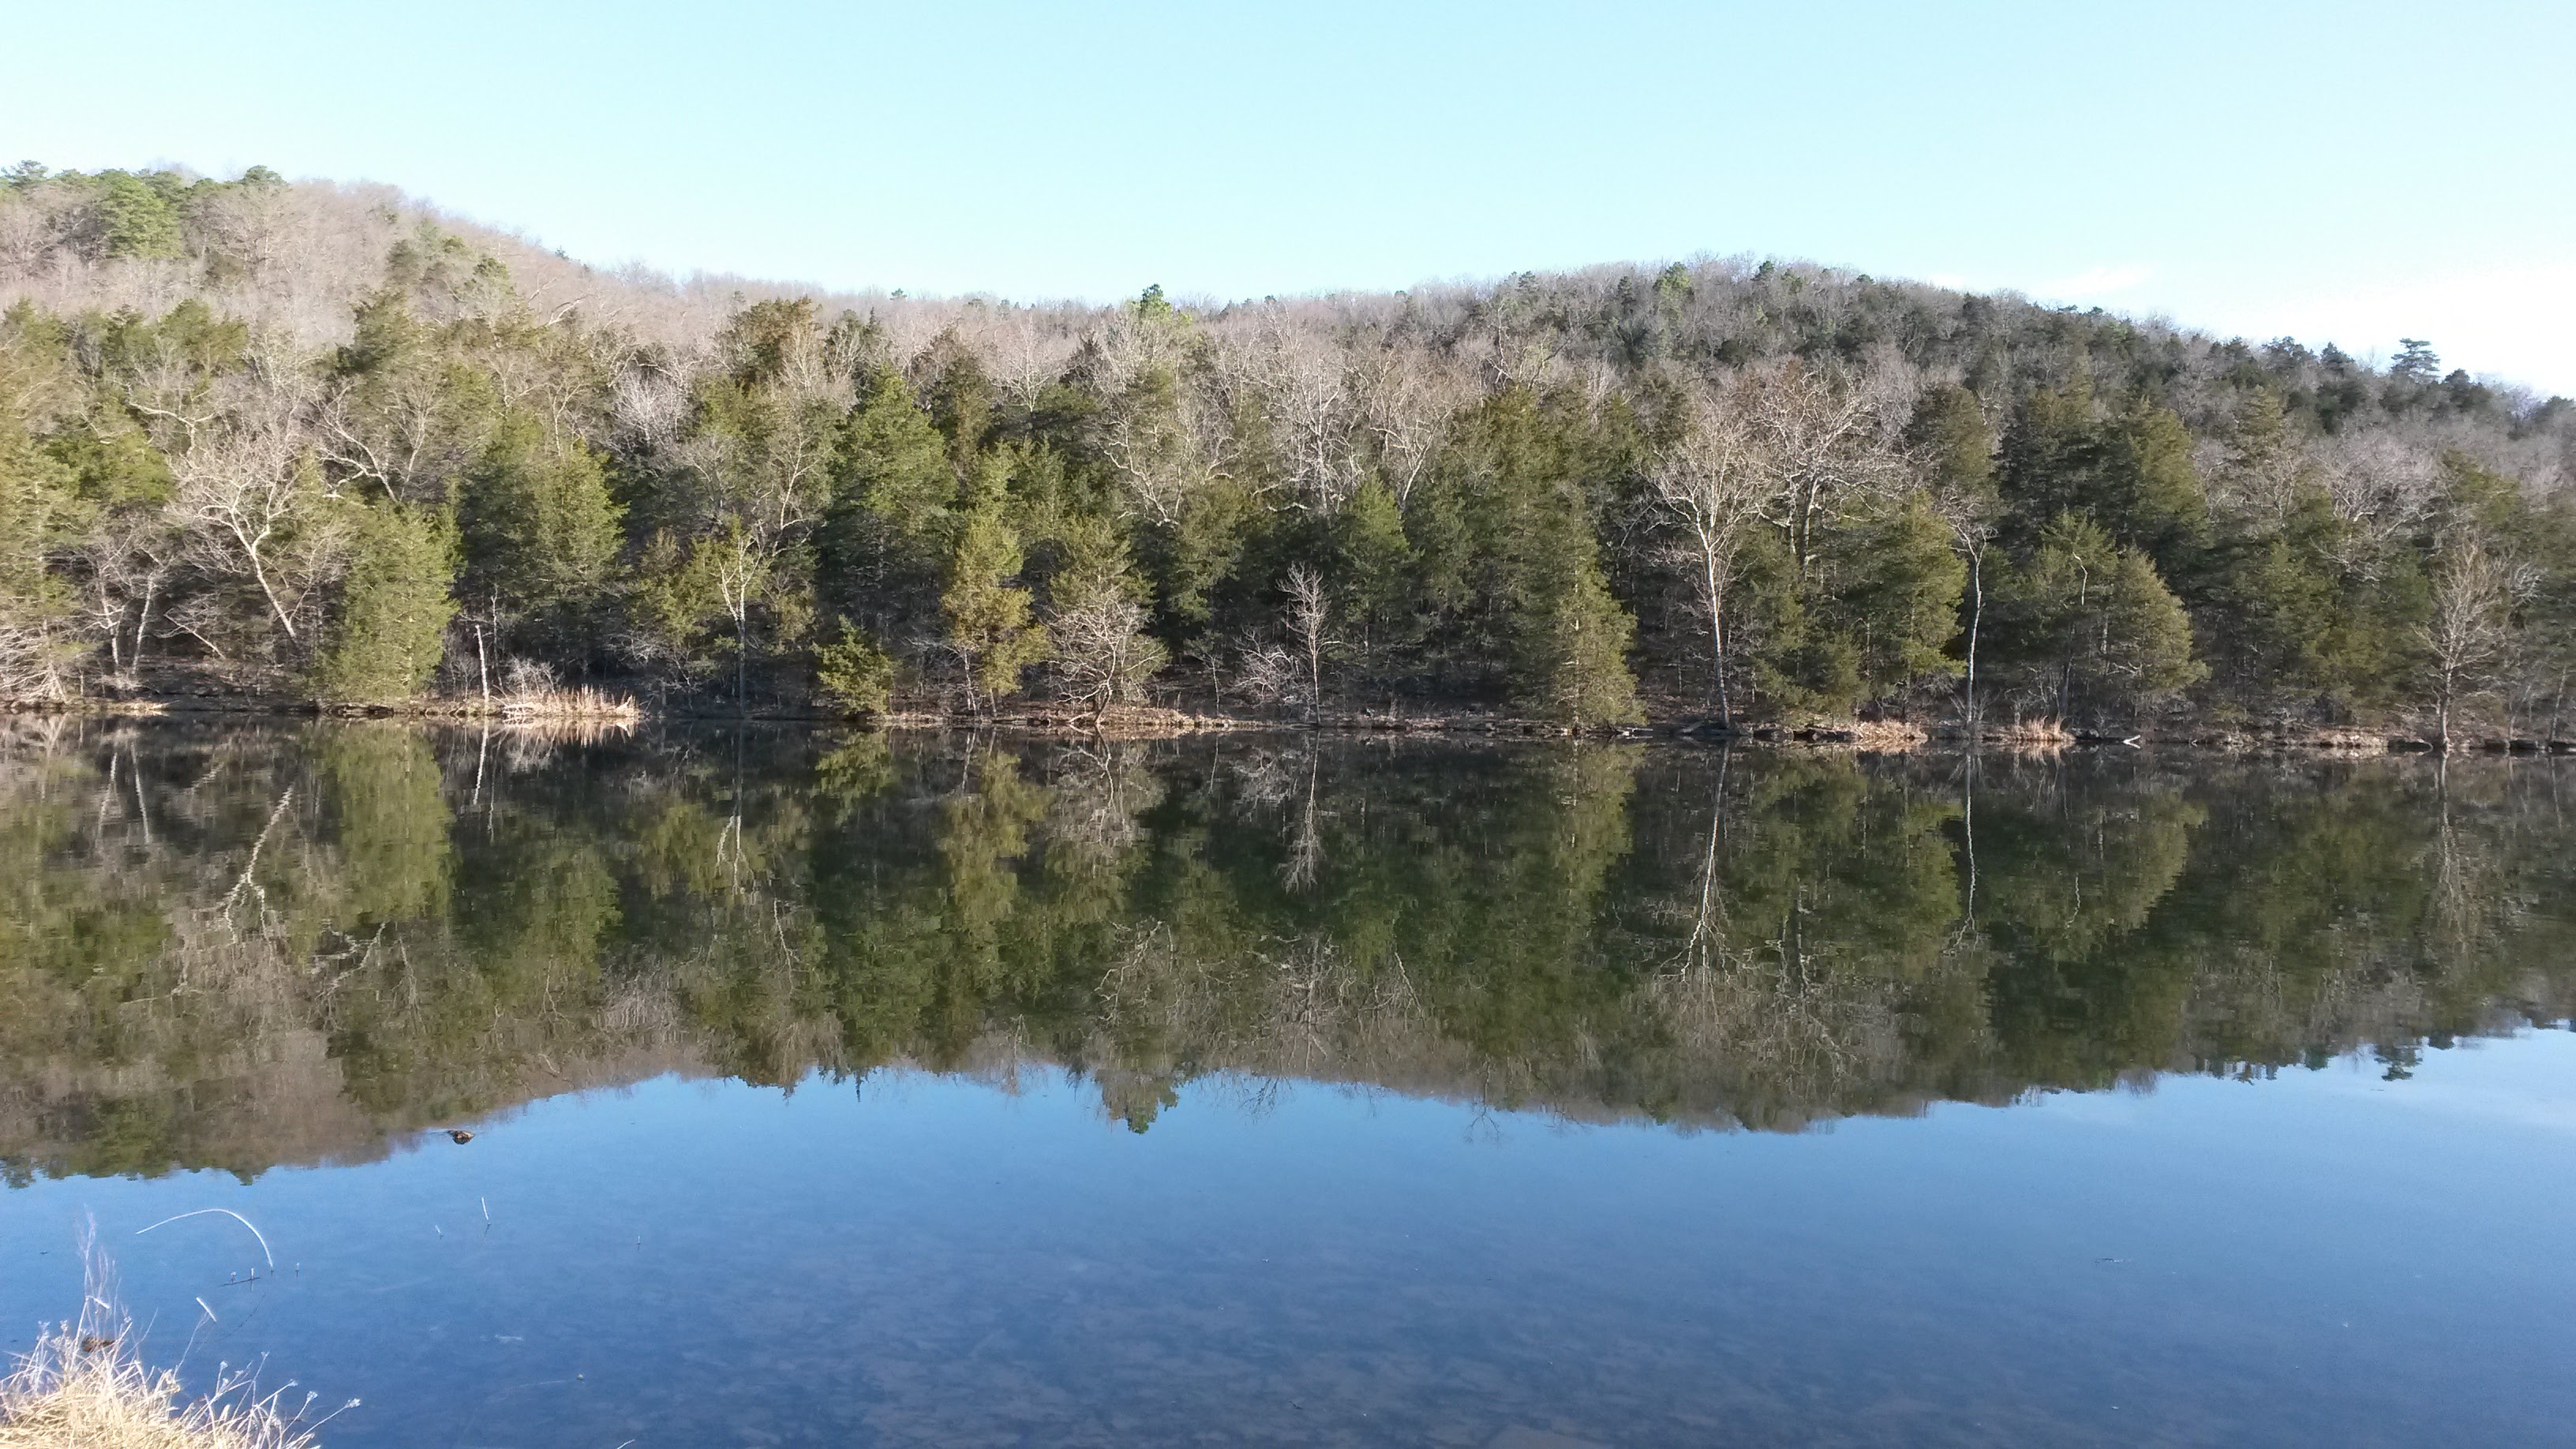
{"points": [[388, 629], [37, 509], [1373, 564], [886, 536], [2094, 624], [539, 532], [987, 614], [1570, 646]]}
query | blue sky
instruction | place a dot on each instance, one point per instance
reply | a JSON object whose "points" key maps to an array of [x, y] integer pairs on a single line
{"points": [[2349, 172]]}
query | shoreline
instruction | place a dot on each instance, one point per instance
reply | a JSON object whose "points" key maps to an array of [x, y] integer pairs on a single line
{"points": [[1157, 722]]}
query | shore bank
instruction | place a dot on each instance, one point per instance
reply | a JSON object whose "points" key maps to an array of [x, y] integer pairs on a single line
{"points": [[591, 709]]}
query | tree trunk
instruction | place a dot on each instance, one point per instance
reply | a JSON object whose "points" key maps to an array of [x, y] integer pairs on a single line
{"points": [[1717, 639], [1976, 618], [143, 620], [115, 631], [257, 571]]}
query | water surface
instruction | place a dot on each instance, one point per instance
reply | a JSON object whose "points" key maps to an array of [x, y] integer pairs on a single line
{"points": [[843, 1090]]}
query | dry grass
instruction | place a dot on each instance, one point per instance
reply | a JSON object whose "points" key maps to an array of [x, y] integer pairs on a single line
{"points": [[585, 705], [85, 1386], [1889, 735], [2029, 734]]}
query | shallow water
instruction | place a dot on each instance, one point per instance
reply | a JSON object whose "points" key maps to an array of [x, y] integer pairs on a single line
{"points": [[835, 1091]]}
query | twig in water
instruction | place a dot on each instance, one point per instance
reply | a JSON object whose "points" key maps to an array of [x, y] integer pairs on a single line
{"points": [[210, 1310], [227, 1212]]}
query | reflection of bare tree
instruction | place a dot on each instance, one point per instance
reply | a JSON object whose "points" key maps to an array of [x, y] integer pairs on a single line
{"points": [[1282, 788], [1779, 1030], [1102, 787], [2472, 905], [1305, 838], [1295, 1008], [1264, 780]]}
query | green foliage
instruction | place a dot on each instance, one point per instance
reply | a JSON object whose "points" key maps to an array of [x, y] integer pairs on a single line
{"points": [[1512, 563], [1900, 580], [987, 614], [539, 532], [38, 508], [1187, 559], [2306, 605], [675, 601], [2131, 472], [2093, 624], [885, 540], [387, 631], [1570, 656], [1949, 434], [1374, 570], [132, 217], [853, 674], [959, 397]]}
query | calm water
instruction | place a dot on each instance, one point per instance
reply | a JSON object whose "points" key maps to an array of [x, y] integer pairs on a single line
{"points": [[828, 1090]]}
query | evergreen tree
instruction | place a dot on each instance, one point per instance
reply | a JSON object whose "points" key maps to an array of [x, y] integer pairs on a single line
{"points": [[987, 613], [132, 218], [2131, 473], [1954, 446], [1570, 646], [885, 540], [853, 673], [1899, 582], [959, 397], [2094, 626], [539, 533], [37, 509], [386, 633], [1373, 568], [2149, 493], [1513, 562]]}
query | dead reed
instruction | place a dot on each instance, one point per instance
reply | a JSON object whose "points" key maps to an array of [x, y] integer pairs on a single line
{"points": [[85, 1385]]}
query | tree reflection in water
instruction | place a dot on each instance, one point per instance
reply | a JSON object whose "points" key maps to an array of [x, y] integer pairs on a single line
{"points": [[244, 946]]}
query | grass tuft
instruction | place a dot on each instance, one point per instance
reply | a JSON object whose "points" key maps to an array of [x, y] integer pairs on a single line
{"points": [[85, 1386]]}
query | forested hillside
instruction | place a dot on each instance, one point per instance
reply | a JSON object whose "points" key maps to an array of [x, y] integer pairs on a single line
{"points": [[301, 440]]}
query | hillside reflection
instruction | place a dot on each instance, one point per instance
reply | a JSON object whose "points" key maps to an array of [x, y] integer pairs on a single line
{"points": [[244, 947]]}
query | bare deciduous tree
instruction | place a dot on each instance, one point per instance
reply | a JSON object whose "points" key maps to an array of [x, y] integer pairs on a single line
{"points": [[1309, 621], [1265, 673], [2470, 628], [1305, 386], [1409, 401], [1103, 657], [245, 476], [1821, 443], [1713, 483]]}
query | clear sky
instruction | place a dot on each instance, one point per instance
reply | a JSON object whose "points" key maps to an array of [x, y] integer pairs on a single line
{"points": [[2350, 172]]}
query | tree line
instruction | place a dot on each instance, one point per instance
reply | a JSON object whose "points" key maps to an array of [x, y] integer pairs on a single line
{"points": [[308, 440]]}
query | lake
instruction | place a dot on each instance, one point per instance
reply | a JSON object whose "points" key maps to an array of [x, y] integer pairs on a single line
{"points": [[831, 1088]]}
